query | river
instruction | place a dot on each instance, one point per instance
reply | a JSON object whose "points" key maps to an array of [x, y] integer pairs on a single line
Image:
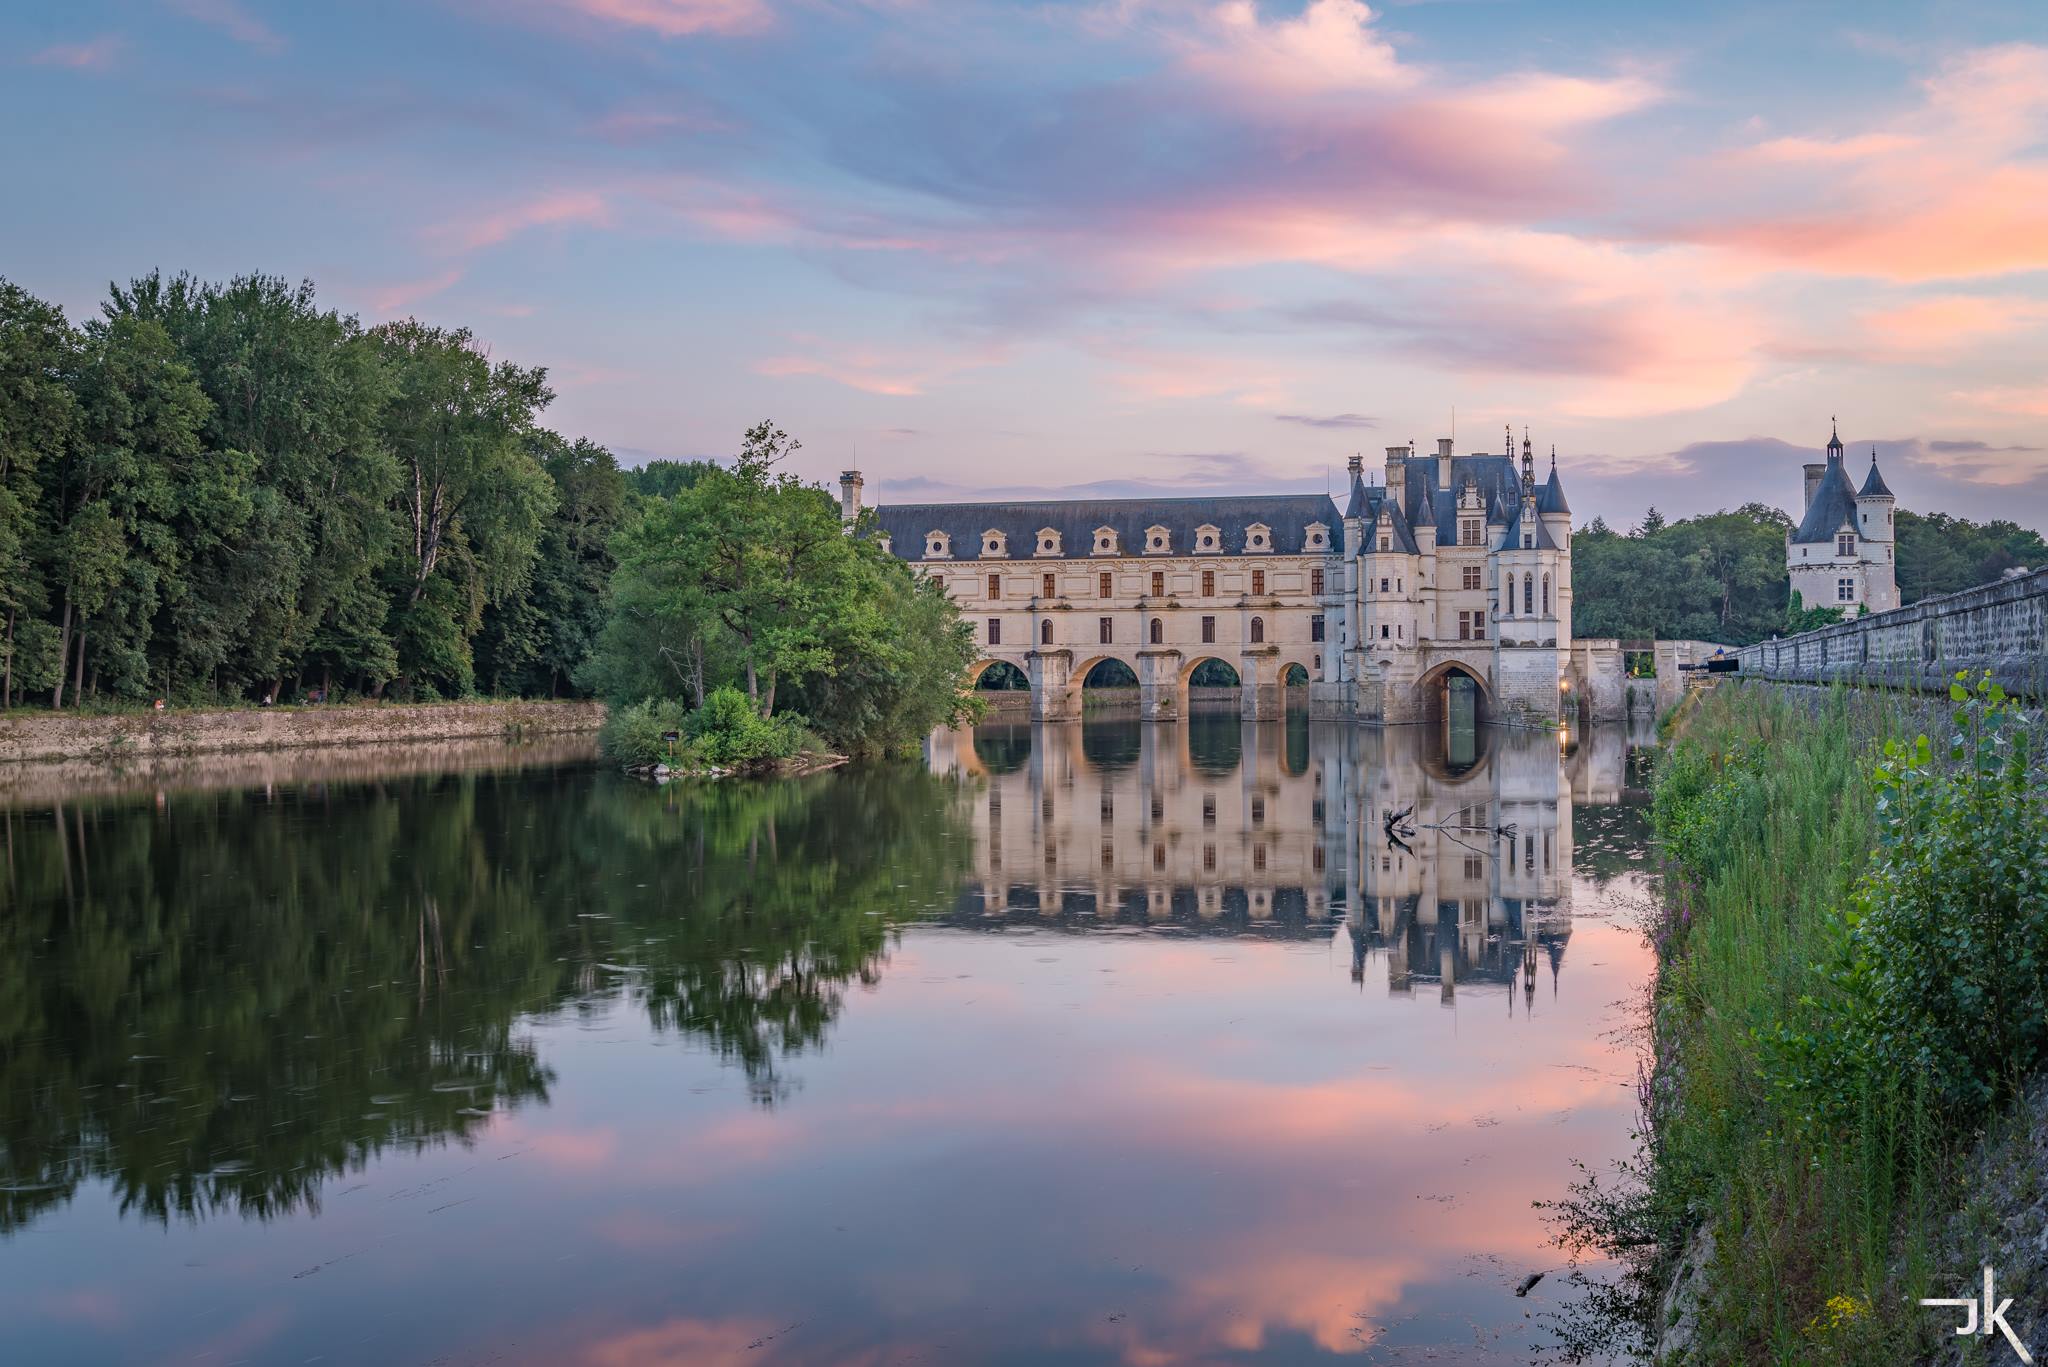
{"points": [[1096, 1043]]}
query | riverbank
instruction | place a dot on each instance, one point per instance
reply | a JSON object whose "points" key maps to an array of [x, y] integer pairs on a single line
{"points": [[1844, 1007], [146, 737]]}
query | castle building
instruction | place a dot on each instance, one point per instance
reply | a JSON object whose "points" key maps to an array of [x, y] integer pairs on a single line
{"points": [[1841, 553], [1449, 581]]}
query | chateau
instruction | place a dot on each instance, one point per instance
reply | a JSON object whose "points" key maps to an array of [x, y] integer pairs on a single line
{"points": [[1840, 554], [1445, 580]]}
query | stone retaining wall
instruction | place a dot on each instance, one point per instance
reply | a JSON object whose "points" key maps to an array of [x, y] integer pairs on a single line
{"points": [[2000, 627], [147, 736]]}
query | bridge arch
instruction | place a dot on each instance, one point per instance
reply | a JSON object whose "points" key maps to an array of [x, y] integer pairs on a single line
{"points": [[997, 674]]}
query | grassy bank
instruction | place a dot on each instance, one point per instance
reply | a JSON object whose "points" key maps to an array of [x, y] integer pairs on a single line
{"points": [[1851, 950]]}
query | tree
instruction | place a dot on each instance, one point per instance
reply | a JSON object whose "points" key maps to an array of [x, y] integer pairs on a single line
{"points": [[472, 499], [38, 422], [1937, 553]]}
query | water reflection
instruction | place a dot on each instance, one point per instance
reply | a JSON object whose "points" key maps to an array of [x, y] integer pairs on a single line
{"points": [[220, 1003], [1111, 1043]]}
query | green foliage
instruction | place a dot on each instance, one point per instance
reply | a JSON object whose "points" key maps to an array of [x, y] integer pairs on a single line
{"points": [[224, 492], [1718, 577], [729, 731], [637, 733], [1799, 617], [1851, 962], [746, 578], [1942, 554]]}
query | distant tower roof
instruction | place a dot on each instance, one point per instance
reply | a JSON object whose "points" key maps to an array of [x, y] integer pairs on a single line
{"points": [[1552, 498], [1358, 500], [1834, 441], [1873, 483]]}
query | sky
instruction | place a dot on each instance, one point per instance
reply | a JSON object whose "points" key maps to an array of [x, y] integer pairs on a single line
{"points": [[981, 248]]}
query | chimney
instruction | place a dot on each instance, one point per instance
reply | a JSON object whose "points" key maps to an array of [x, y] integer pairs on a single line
{"points": [[1814, 472], [1443, 462], [849, 495], [1397, 467]]}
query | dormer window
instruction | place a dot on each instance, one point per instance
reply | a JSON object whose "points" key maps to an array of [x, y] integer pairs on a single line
{"points": [[994, 543], [1158, 541], [1258, 537], [1105, 541], [1208, 538], [1318, 538], [1845, 543], [1048, 541], [938, 546], [887, 544]]}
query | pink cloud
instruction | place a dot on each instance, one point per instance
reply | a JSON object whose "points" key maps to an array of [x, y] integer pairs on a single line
{"points": [[1948, 322], [230, 18], [897, 373], [679, 1342], [1328, 46], [560, 208], [681, 18], [1954, 189], [402, 296], [96, 55], [2030, 401]]}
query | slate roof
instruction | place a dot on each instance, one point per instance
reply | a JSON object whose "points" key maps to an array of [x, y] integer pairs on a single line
{"points": [[1873, 483], [1551, 499], [1833, 506], [1500, 485], [1376, 499], [1288, 515]]}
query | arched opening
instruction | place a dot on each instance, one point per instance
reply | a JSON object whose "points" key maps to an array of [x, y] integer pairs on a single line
{"points": [[1294, 676], [1258, 631], [1000, 676], [1045, 633], [1294, 688], [1546, 595], [1213, 673], [1109, 674], [1002, 747], [1455, 698], [1158, 632]]}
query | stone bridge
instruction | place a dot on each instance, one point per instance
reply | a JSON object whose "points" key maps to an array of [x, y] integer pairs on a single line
{"points": [[1999, 628], [1057, 675]]}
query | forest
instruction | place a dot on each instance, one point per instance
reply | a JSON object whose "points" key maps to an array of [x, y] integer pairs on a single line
{"points": [[1721, 576], [225, 493]]}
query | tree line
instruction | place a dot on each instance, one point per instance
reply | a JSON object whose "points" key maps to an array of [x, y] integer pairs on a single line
{"points": [[227, 493], [1722, 577], [219, 492]]}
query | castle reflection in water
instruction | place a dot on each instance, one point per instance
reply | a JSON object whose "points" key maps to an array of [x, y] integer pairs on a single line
{"points": [[1445, 851]]}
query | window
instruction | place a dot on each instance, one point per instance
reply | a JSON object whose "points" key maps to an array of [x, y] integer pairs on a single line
{"points": [[1315, 581], [1468, 531], [1546, 595], [1045, 587], [1528, 541], [1386, 542], [1469, 577], [1208, 809], [1475, 867], [995, 631], [1258, 858], [1386, 632], [1258, 631], [1383, 585], [1158, 584], [1048, 543], [1845, 543], [1208, 631], [995, 586], [1464, 626], [1045, 633], [1108, 808], [937, 544], [1528, 595], [1845, 590], [1158, 807], [1258, 811], [1158, 632], [1159, 856], [1315, 627], [1209, 858], [1105, 585], [993, 542], [1258, 583], [1208, 583], [1102, 630], [1105, 541]]}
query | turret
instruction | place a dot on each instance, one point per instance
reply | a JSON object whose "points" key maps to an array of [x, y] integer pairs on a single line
{"points": [[1354, 511], [1874, 509], [849, 495]]}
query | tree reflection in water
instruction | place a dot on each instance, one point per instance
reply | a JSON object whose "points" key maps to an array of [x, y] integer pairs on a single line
{"points": [[219, 1002]]}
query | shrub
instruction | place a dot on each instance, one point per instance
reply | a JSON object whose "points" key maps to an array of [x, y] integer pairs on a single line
{"points": [[636, 733], [729, 732]]}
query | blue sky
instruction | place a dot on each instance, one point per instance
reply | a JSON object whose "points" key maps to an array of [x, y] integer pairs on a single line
{"points": [[1117, 243]]}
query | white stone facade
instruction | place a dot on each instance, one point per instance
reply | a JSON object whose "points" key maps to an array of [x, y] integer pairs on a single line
{"points": [[1841, 555], [1455, 566]]}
